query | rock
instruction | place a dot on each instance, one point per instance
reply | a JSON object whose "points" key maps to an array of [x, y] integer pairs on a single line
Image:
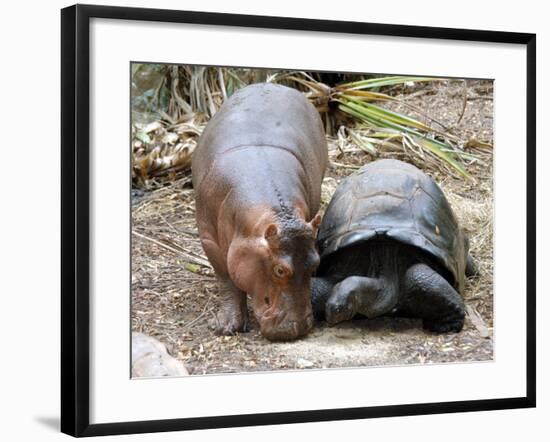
{"points": [[151, 359]]}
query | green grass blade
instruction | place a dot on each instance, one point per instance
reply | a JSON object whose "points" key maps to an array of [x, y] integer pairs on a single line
{"points": [[377, 120], [441, 150], [393, 116], [382, 81], [435, 148], [368, 95], [363, 143]]}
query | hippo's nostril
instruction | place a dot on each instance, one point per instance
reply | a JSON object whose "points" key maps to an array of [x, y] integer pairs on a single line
{"points": [[266, 300]]}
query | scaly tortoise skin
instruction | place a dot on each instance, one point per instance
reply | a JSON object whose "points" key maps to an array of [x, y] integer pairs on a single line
{"points": [[391, 245]]}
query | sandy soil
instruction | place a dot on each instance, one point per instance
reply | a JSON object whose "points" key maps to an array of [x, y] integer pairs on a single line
{"points": [[175, 294]]}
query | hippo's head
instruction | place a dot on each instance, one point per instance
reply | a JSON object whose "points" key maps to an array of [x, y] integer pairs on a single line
{"points": [[274, 267]]}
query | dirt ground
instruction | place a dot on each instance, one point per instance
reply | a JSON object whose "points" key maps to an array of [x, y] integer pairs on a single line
{"points": [[175, 293]]}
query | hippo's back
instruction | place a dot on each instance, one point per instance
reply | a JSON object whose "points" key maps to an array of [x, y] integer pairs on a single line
{"points": [[259, 115]]}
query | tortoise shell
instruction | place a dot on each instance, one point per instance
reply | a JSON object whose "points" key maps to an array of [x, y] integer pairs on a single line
{"points": [[394, 200]]}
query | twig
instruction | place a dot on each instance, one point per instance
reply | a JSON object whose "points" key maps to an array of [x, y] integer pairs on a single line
{"points": [[204, 311], [179, 100], [188, 257], [345, 166], [169, 225], [465, 102], [478, 321], [480, 97]]}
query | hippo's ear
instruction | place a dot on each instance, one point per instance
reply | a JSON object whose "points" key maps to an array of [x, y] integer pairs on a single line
{"points": [[271, 232], [316, 222]]}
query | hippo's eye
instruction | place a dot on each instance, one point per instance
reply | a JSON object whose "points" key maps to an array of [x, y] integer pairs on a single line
{"points": [[279, 270]]}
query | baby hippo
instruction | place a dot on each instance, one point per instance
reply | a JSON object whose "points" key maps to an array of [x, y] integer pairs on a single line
{"points": [[257, 173]]}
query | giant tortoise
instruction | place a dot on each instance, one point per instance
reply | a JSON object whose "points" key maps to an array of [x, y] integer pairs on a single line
{"points": [[391, 245]]}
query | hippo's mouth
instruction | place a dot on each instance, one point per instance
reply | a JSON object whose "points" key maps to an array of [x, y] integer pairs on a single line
{"points": [[277, 324], [280, 322], [284, 329]]}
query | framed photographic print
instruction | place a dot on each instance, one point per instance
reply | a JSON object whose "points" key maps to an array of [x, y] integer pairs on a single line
{"points": [[271, 220]]}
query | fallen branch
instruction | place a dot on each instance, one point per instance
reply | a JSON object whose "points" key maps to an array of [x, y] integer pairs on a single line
{"points": [[204, 311], [478, 321], [199, 261]]}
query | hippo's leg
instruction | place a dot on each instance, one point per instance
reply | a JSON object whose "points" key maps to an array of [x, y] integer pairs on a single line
{"points": [[359, 294], [429, 296], [321, 288], [233, 317]]}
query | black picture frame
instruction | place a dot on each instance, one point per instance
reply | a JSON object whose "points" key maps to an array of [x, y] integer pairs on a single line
{"points": [[75, 212]]}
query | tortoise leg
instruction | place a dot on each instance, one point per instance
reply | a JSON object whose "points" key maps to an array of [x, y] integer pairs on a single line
{"points": [[320, 291], [234, 312], [359, 294], [429, 296]]}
